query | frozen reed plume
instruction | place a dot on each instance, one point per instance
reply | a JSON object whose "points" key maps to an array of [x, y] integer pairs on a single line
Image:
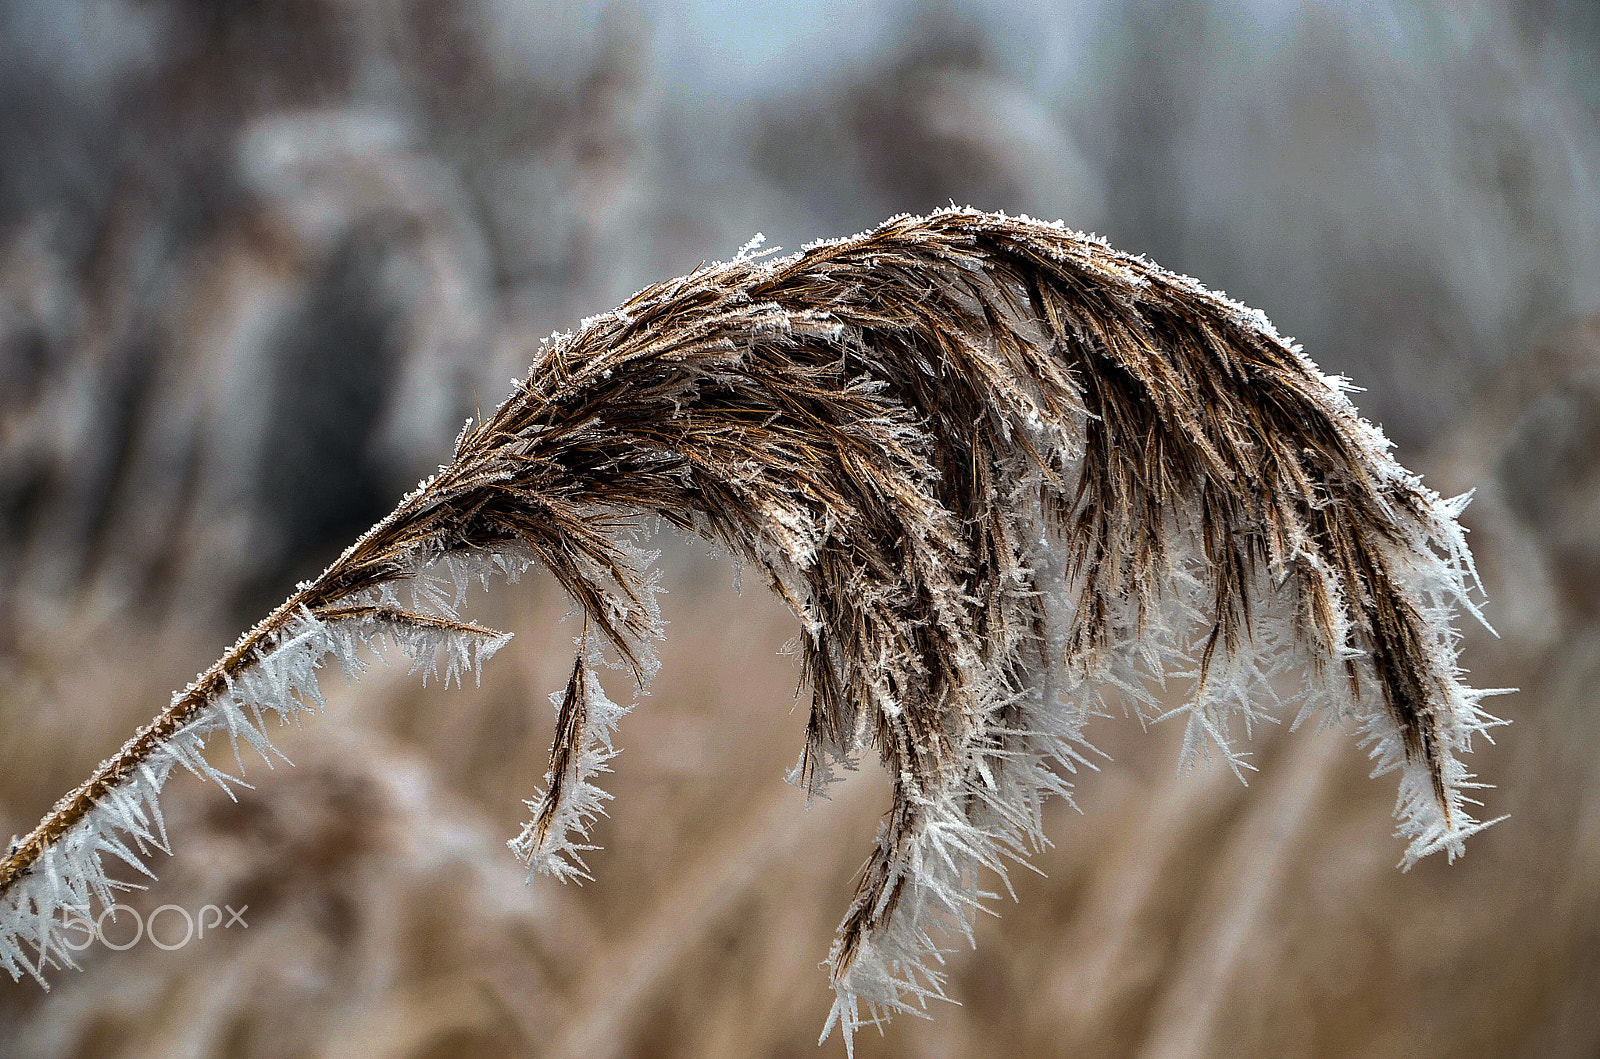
{"points": [[1007, 478]]}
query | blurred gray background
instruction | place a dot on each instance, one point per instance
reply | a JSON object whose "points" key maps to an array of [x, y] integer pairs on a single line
{"points": [[258, 261]]}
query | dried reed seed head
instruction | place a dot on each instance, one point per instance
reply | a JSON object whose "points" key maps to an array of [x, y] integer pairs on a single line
{"points": [[1006, 477]]}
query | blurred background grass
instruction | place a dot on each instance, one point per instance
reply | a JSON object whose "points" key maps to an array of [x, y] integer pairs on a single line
{"points": [[258, 260]]}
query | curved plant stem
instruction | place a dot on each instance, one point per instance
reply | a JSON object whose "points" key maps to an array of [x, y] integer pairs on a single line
{"points": [[1007, 478]]}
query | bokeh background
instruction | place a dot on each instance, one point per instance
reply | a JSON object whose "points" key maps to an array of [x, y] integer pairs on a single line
{"points": [[260, 258]]}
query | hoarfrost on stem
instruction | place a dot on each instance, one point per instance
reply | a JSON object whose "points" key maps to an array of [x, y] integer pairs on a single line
{"points": [[1008, 480]]}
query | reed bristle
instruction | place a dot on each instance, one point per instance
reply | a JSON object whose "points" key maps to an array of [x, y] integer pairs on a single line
{"points": [[1006, 477]]}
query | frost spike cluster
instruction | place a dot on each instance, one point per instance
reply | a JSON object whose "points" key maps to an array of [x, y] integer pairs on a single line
{"points": [[551, 842], [1007, 478]]}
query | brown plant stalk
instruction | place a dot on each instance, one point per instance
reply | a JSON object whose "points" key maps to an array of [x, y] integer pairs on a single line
{"points": [[1006, 477]]}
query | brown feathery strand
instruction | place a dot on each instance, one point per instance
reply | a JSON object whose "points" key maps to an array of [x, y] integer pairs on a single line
{"points": [[1005, 476], [565, 749]]}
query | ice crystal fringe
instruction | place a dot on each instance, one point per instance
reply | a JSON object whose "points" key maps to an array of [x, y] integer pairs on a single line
{"points": [[1007, 478], [571, 802]]}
